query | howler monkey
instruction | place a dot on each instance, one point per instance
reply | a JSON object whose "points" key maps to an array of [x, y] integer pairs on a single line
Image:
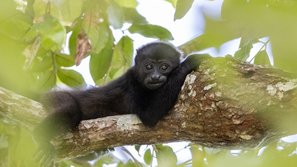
{"points": [[149, 89]]}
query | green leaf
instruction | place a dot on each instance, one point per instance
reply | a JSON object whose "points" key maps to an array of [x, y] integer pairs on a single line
{"points": [[44, 80], [70, 77], [66, 10], [165, 156], [100, 63], [122, 57], [116, 72], [64, 60], [52, 33], [15, 26], [30, 52], [124, 49], [97, 32], [7, 9], [148, 157], [7, 127], [127, 3], [137, 147], [182, 7], [244, 51], [152, 31], [74, 35], [39, 7], [21, 149], [43, 62], [262, 58], [132, 16], [129, 163], [106, 159], [211, 38], [115, 15], [197, 156], [172, 2]]}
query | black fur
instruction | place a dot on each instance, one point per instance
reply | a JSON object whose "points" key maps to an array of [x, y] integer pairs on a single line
{"points": [[149, 89]]}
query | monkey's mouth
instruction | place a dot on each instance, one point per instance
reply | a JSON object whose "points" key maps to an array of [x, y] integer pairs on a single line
{"points": [[154, 85]]}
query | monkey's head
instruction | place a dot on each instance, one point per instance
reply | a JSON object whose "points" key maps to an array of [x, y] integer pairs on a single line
{"points": [[154, 62]]}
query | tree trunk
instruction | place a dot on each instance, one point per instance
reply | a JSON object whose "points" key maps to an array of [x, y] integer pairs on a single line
{"points": [[225, 103]]}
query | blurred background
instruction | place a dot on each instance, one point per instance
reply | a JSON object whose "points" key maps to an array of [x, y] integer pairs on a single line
{"points": [[56, 44]]}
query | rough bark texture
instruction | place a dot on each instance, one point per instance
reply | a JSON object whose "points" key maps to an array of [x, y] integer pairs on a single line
{"points": [[224, 103], [20, 109]]}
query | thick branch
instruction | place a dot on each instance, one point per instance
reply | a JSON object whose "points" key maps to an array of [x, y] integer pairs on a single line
{"points": [[225, 103], [20, 109]]}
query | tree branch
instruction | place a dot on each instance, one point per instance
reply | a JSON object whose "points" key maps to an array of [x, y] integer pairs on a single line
{"points": [[224, 103]]}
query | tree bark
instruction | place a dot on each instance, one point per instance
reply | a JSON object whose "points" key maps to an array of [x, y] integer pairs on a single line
{"points": [[225, 103]]}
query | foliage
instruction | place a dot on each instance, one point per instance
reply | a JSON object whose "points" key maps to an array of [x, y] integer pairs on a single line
{"points": [[39, 43], [43, 27], [251, 21]]}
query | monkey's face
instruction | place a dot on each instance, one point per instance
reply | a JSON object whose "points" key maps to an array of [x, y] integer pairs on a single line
{"points": [[154, 62], [154, 73]]}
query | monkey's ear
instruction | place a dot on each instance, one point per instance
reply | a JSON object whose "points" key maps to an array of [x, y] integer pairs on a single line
{"points": [[139, 54], [137, 51], [136, 59]]}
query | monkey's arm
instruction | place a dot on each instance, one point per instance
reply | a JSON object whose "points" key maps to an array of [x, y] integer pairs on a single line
{"points": [[167, 96], [191, 63], [177, 78]]}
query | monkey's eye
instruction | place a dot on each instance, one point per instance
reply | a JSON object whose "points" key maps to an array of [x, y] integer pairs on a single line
{"points": [[148, 66], [164, 67]]}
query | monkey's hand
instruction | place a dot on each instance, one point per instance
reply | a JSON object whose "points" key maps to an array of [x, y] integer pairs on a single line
{"points": [[194, 60]]}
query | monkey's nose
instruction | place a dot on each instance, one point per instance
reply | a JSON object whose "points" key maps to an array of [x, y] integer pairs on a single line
{"points": [[155, 77]]}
